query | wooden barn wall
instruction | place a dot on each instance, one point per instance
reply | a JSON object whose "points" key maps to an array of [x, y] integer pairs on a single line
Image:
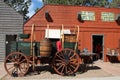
{"points": [[111, 38], [67, 15], [10, 23]]}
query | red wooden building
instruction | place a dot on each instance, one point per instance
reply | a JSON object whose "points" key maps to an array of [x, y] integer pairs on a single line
{"points": [[97, 25]]}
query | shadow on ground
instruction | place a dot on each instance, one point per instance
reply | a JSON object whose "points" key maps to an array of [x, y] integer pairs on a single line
{"points": [[40, 69], [85, 67]]}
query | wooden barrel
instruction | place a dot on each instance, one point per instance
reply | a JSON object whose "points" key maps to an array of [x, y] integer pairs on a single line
{"points": [[45, 48]]}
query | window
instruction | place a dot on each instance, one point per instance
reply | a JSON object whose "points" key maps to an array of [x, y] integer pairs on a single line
{"points": [[88, 15], [107, 16]]}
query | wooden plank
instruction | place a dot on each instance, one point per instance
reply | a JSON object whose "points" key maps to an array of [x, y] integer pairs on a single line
{"points": [[11, 22]]}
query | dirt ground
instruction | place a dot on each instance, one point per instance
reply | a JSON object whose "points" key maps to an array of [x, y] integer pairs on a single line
{"points": [[99, 69]]}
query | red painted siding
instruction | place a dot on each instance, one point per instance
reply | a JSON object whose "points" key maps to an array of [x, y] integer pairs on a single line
{"points": [[67, 15]]}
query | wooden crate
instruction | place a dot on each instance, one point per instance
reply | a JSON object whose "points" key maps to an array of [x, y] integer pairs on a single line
{"points": [[70, 37]]}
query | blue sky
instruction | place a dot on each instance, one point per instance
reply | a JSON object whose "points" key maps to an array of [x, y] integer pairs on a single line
{"points": [[35, 4]]}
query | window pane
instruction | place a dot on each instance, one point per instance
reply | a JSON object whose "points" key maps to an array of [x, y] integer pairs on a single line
{"points": [[87, 15], [107, 16]]}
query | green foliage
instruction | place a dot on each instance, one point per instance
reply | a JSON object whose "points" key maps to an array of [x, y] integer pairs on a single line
{"points": [[100, 3], [115, 3], [36, 9], [20, 6]]}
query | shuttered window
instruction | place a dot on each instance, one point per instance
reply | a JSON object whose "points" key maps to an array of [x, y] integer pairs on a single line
{"points": [[88, 15], [107, 16]]}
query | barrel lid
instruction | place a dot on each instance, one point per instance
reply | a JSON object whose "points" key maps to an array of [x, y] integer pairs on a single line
{"points": [[45, 40]]}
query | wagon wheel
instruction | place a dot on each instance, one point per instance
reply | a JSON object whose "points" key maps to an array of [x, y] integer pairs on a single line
{"points": [[16, 64], [66, 62]]}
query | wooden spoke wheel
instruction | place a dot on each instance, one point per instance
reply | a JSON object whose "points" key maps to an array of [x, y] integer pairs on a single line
{"points": [[66, 62], [16, 64]]}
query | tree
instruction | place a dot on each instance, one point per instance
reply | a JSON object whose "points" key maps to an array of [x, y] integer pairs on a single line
{"points": [[36, 9], [100, 3], [115, 3], [71, 2], [20, 6]]}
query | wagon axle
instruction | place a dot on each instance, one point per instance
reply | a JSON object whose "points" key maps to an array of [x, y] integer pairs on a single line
{"points": [[16, 65]]}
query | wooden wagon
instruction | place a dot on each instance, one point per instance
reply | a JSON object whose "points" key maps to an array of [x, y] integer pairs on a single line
{"points": [[29, 54]]}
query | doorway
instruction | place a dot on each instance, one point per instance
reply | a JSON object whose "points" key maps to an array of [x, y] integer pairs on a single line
{"points": [[9, 39], [97, 46]]}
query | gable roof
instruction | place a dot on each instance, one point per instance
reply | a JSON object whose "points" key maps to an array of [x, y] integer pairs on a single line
{"points": [[65, 14]]}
